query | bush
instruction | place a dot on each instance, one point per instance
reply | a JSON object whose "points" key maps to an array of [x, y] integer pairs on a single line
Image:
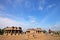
{"points": [[44, 31], [1, 31]]}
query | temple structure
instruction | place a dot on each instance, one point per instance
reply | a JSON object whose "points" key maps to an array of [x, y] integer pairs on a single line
{"points": [[37, 30], [12, 30], [18, 30]]}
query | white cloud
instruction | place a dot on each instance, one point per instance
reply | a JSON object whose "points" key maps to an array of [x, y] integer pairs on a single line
{"points": [[50, 6], [41, 5], [4, 22], [7, 19], [5, 14], [32, 19], [56, 26], [40, 8], [47, 17], [8, 22], [8, 15]]}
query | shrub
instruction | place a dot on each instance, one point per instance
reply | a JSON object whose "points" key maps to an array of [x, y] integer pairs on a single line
{"points": [[1, 31]]}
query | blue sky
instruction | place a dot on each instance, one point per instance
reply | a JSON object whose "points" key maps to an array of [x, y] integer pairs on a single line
{"points": [[30, 14]]}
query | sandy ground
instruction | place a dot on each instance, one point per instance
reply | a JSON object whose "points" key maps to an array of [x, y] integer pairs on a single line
{"points": [[30, 37]]}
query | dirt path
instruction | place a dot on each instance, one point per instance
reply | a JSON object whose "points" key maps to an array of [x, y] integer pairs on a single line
{"points": [[30, 37]]}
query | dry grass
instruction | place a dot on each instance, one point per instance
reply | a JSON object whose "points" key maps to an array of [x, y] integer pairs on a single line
{"points": [[30, 37]]}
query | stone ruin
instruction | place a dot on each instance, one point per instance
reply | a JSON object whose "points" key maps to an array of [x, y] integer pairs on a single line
{"points": [[18, 30], [12, 30]]}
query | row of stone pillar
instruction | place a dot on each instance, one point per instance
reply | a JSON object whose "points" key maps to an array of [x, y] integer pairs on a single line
{"points": [[11, 32]]}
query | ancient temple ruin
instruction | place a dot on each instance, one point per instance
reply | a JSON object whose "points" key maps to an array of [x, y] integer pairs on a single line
{"points": [[37, 30], [18, 30], [12, 30]]}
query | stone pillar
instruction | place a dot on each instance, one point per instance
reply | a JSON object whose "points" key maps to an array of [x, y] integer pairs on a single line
{"points": [[18, 32], [15, 32], [11, 32], [5, 33]]}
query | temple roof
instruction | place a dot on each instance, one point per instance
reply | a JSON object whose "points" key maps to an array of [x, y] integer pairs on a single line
{"points": [[13, 28], [35, 29], [38, 29]]}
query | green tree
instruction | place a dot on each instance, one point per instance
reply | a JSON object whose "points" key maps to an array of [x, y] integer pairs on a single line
{"points": [[44, 31], [1, 31]]}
